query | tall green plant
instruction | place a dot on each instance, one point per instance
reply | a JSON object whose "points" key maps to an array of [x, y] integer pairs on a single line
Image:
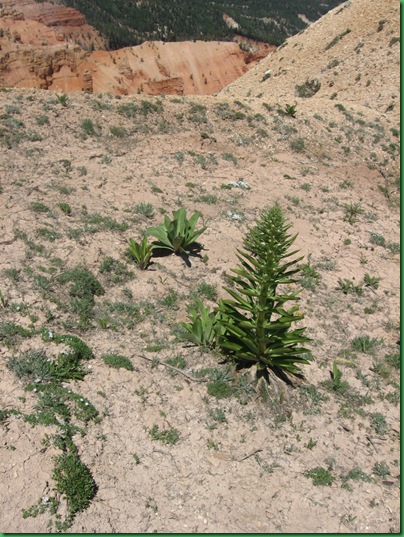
{"points": [[256, 322]]}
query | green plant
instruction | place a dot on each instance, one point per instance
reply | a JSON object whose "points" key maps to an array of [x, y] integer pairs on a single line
{"points": [[201, 330], [63, 99], [3, 300], [320, 476], [42, 120], [166, 436], [381, 469], [356, 475], [65, 207], [117, 361], [74, 480], [230, 157], [310, 276], [376, 238], [88, 127], [297, 145], [114, 270], [365, 343], [311, 444], [337, 38], [352, 210], [141, 252], [207, 290], [348, 286], [39, 207], [178, 235], [170, 300], [178, 362], [219, 415], [378, 423], [336, 384], [371, 281], [255, 327], [289, 110], [308, 88], [145, 209], [220, 389], [83, 289], [119, 132]]}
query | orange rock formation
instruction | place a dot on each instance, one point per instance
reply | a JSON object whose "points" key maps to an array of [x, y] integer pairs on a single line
{"points": [[44, 45]]}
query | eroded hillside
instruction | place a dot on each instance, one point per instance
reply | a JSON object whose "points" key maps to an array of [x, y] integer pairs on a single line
{"points": [[49, 46]]}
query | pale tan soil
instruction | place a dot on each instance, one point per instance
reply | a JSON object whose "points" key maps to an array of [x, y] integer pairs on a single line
{"points": [[204, 483]]}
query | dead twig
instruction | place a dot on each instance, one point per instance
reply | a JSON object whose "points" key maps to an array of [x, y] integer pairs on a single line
{"points": [[190, 377], [249, 455], [372, 443]]}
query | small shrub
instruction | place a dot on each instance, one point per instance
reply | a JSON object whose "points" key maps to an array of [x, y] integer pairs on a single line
{"points": [[352, 210], [118, 132], [365, 343], [381, 469], [337, 38], [320, 476], [145, 209], [308, 89], [39, 207], [297, 145], [88, 128], [371, 281], [74, 480], [376, 238], [117, 361], [356, 475], [378, 423], [65, 207], [166, 436]]}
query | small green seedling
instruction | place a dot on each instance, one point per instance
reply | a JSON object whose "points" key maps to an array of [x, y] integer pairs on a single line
{"points": [[141, 252]]}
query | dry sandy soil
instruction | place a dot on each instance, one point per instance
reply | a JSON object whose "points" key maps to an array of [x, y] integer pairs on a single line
{"points": [[72, 180]]}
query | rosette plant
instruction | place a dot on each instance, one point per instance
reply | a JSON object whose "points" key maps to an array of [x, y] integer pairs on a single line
{"points": [[178, 235]]}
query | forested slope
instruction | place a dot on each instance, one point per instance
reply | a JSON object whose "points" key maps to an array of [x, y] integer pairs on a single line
{"points": [[130, 23]]}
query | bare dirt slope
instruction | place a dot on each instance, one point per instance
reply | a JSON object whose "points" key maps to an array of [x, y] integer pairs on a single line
{"points": [[353, 53], [166, 452]]}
